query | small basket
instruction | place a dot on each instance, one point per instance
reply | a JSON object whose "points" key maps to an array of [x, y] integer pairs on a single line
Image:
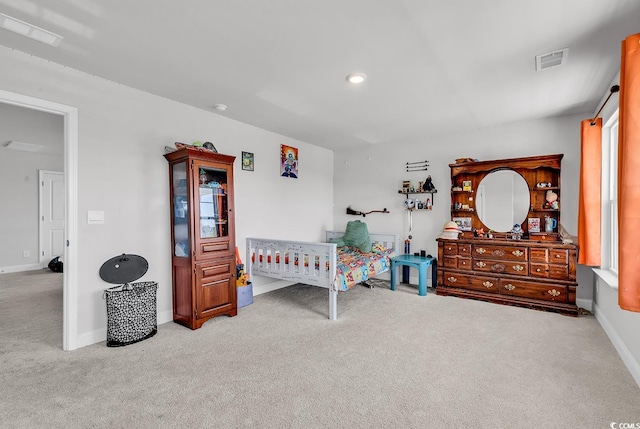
{"points": [[131, 308]]}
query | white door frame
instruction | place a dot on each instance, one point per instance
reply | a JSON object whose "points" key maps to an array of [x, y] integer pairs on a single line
{"points": [[70, 286]]}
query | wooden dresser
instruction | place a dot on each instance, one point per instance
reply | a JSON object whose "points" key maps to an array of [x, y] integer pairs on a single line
{"points": [[528, 273]]}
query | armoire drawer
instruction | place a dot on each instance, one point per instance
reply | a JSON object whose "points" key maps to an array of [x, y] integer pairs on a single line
{"points": [[469, 281], [539, 291]]}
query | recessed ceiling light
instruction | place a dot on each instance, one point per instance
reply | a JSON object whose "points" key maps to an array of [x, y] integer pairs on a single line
{"points": [[28, 30], [220, 107], [356, 78]]}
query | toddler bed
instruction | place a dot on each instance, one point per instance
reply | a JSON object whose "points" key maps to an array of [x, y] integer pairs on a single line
{"points": [[327, 265]]}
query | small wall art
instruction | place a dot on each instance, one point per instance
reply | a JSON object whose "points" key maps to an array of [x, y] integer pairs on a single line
{"points": [[247, 161], [288, 161]]}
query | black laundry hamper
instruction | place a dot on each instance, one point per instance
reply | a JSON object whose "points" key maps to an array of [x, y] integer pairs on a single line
{"points": [[131, 307]]}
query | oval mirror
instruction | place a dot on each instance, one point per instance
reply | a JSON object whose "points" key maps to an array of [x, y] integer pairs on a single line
{"points": [[502, 200]]}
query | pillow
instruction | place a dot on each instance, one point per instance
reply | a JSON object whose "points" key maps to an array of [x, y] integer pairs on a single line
{"points": [[357, 235], [339, 241]]}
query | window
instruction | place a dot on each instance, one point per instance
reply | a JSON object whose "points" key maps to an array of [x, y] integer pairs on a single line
{"points": [[610, 195], [613, 196]]}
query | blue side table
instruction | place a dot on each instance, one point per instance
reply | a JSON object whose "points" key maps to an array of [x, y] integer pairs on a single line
{"points": [[419, 262]]}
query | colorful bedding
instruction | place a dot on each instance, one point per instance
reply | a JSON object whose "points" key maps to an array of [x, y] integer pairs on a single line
{"points": [[355, 267]]}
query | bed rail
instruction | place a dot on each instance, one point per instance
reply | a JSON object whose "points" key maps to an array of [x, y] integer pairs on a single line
{"points": [[305, 262]]}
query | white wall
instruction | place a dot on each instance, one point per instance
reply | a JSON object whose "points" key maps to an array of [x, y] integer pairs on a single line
{"points": [[369, 177], [122, 133], [19, 179]]}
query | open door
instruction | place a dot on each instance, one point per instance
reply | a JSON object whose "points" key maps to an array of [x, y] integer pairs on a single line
{"points": [[51, 215]]}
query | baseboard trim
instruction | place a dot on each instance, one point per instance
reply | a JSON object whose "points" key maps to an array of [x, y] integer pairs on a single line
{"points": [[100, 335], [92, 337], [630, 362], [587, 304], [20, 268], [258, 290]]}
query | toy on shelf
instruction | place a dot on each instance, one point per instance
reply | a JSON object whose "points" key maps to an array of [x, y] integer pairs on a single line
{"points": [[551, 200]]}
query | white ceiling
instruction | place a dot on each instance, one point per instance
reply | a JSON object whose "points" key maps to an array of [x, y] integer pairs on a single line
{"points": [[433, 67]]}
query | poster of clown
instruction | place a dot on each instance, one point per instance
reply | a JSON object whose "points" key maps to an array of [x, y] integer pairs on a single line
{"points": [[288, 161]]}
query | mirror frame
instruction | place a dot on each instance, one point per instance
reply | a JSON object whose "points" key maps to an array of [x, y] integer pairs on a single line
{"points": [[523, 208]]}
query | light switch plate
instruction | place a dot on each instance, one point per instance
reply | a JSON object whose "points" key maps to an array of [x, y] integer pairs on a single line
{"points": [[95, 217]]}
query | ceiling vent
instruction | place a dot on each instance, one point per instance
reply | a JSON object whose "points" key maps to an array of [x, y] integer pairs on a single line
{"points": [[552, 59]]}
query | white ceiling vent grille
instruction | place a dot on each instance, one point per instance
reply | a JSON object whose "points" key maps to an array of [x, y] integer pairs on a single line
{"points": [[552, 59]]}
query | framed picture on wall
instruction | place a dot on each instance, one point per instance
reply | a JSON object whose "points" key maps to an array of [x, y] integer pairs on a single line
{"points": [[247, 161], [288, 161]]}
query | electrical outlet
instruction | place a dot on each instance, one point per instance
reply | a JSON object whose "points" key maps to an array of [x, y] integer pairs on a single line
{"points": [[25, 253]]}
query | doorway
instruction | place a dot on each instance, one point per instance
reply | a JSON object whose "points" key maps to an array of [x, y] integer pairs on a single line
{"points": [[70, 281]]}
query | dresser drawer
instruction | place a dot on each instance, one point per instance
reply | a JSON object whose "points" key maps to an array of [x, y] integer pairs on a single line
{"points": [[558, 272], [472, 282], [450, 262], [450, 248], [512, 253], [538, 255], [539, 270], [464, 263], [558, 256], [501, 267], [532, 290], [464, 249]]}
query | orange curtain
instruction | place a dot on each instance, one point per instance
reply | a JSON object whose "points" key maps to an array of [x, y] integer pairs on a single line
{"points": [[589, 204], [629, 176]]}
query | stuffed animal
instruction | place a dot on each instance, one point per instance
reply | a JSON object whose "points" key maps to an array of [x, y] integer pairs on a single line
{"points": [[551, 200]]}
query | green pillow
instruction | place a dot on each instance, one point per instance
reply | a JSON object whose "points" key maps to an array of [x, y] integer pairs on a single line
{"points": [[357, 235], [339, 241]]}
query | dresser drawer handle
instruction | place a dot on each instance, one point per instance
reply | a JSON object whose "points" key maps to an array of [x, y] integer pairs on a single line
{"points": [[517, 268], [517, 253], [449, 248], [498, 268], [487, 285], [509, 286], [553, 292], [538, 270], [452, 279], [558, 256], [481, 250], [481, 264]]}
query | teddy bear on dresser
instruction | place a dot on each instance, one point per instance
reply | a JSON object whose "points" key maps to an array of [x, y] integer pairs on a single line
{"points": [[551, 200]]}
